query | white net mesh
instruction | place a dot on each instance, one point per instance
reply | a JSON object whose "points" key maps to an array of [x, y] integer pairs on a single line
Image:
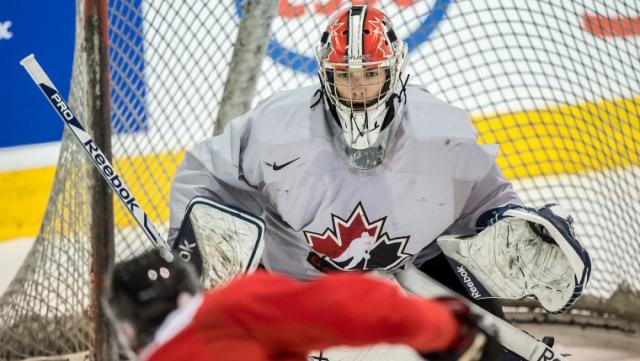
{"points": [[555, 83]]}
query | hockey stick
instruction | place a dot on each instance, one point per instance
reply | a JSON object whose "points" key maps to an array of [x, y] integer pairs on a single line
{"points": [[511, 337], [189, 247], [99, 159]]}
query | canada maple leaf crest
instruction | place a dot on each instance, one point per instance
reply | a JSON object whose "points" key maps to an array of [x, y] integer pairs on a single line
{"points": [[357, 243]]}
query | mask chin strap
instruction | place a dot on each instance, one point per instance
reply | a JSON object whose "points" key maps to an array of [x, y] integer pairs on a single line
{"points": [[401, 96]]}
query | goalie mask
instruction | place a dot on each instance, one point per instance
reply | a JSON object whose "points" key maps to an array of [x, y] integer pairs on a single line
{"points": [[361, 65], [144, 290]]}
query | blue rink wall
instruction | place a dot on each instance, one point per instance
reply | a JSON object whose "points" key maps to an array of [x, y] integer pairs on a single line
{"points": [[47, 29]]}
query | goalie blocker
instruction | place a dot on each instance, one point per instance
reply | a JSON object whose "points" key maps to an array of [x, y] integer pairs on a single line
{"points": [[522, 252], [219, 240]]}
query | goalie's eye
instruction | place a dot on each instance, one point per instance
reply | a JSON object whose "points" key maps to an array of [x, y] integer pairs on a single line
{"points": [[371, 74]]}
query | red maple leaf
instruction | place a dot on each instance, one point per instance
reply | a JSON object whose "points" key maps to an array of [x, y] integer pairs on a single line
{"points": [[334, 241]]}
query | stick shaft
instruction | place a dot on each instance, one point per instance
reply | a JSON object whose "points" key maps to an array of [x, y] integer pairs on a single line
{"points": [[97, 156], [511, 337]]}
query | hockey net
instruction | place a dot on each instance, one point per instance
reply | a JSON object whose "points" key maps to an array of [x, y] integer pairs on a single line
{"points": [[555, 83]]}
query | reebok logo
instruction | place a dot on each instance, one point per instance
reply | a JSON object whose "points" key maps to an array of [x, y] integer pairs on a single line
{"points": [[277, 167], [5, 34], [118, 186], [464, 275], [101, 161]]}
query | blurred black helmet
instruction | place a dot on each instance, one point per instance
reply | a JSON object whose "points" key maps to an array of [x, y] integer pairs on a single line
{"points": [[145, 289]]}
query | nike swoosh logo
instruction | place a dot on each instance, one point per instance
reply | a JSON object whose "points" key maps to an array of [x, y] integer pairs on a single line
{"points": [[277, 167]]}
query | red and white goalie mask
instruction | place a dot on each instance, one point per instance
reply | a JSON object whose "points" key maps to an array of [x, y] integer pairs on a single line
{"points": [[361, 65]]}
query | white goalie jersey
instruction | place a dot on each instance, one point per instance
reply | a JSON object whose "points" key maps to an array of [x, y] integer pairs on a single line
{"points": [[278, 162]]}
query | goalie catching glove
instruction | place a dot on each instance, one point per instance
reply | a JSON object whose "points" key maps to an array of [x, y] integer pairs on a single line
{"points": [[475, 342], [522, 252]]}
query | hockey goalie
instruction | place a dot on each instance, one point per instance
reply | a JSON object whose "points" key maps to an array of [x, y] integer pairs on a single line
{"points": [[365, 172]]}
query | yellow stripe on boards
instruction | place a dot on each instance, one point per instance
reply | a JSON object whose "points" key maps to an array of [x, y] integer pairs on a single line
{"points": [[565, 139], [23, 199], [149, 178], [24, 193]]}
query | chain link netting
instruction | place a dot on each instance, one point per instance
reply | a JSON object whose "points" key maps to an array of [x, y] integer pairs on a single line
{"points": [[555, 83]]}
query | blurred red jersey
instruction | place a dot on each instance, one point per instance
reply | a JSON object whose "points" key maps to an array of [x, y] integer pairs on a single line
{"points": [[272, 317]]}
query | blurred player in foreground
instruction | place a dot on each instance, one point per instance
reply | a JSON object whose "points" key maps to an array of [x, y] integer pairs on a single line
{"points": [[159, 307]]}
